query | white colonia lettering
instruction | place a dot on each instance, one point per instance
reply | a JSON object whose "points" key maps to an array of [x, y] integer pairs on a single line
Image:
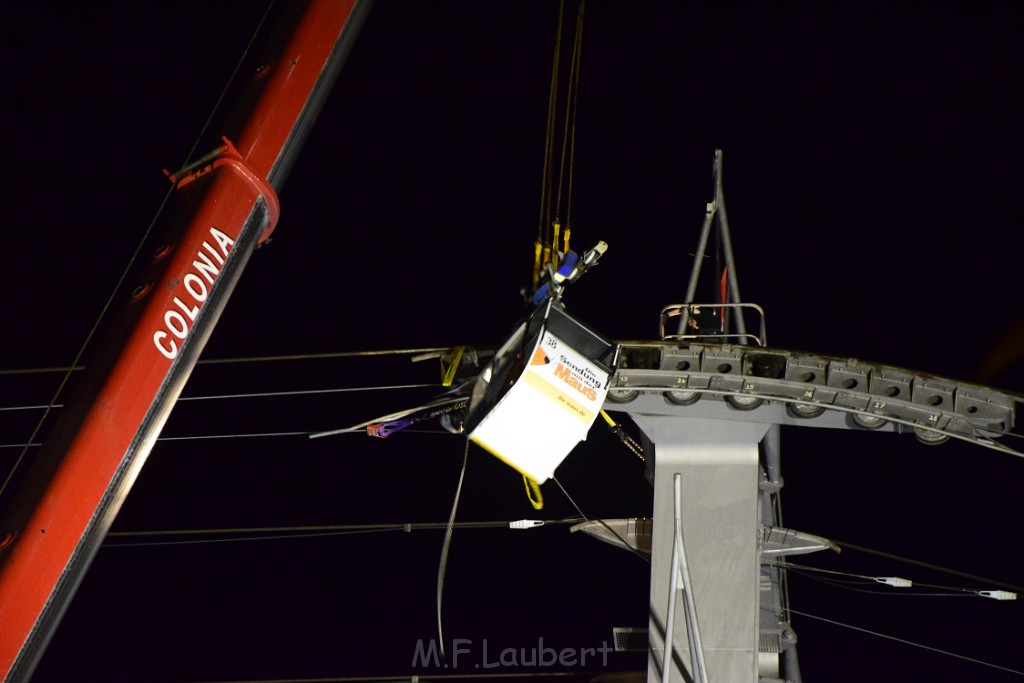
{"points": [[177, 324], [195, 287], [186, 306]]}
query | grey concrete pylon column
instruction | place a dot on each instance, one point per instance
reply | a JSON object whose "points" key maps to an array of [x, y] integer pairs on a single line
{"points": [[718, 464]]}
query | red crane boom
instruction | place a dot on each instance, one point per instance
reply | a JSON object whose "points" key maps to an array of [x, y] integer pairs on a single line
{"points": [[221, 210]]}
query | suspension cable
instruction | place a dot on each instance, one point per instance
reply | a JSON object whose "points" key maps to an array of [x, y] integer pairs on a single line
{"points": [[442, 566], [254, 394], [928, 565], [261, 359], [235, 534], [249, 435], [423, 678], [909, 642], [852, 581]]}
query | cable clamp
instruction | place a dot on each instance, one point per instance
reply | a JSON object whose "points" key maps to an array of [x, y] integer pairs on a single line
{"points": [[894, 581], [998, 595], [525, 523]]}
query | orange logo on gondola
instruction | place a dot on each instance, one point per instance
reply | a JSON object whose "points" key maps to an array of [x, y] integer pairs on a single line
{"points": [[565, 374], [539, 357]]}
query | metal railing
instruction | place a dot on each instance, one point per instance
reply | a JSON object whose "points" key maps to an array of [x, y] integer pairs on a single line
{"points": [[686, 316]]}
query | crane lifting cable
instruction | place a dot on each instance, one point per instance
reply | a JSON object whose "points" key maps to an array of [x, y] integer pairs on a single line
{"points": [[545, 386], [552, 243]]}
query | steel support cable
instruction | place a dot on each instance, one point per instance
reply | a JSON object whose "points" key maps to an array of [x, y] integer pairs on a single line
{"points": [[928, 565], [248, 435], [306, 392], [255, 394], [895, 592], [260, 359], [983, 443], [851, 581], [909, 642], [423, 678], [236, 534]]}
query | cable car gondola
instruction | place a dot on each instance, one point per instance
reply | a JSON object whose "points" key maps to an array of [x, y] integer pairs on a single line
{"points": [[541, 392]]}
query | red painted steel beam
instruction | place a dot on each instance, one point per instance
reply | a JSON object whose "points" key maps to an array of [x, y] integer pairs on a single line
{"points": [[221, 210]]}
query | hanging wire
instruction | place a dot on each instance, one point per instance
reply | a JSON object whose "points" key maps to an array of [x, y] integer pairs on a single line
{"points": [[909, 642], [442, 567]]}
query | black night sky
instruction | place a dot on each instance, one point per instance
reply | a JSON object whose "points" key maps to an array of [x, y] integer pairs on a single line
{"points": [[873, 164]]}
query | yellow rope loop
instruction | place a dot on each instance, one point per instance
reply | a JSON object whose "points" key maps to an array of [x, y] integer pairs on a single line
{"points": [[565, 243], [533, 493]]}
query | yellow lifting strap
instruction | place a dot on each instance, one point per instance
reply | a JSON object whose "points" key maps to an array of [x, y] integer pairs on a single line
{"points": [[448, 371], [538, 250], [554, 245], [544, 253], [533, 493]]}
